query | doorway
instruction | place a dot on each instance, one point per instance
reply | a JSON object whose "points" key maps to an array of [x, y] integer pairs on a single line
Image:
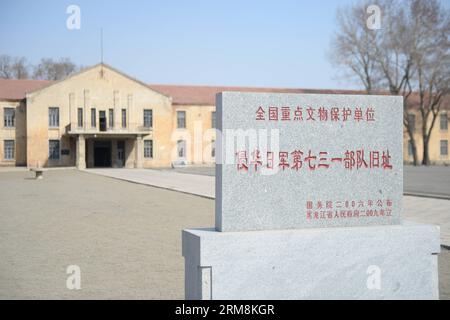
{"points": [[102, 154]]}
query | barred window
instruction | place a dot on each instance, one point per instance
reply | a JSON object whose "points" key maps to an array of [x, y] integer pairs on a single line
{"points": [[8, 149], [124, 118], [93, 118], [213, 119], [9, 117], [444, 121], [80, 117], [410, 148], [53, 117], [412, 121], [181, 146], [444, 147], [181, 119], [111, 118], [148, 148], [53, 150], [148, 118]]}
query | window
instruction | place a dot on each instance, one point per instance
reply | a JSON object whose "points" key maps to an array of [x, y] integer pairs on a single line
{"points": [[444, 121], [213, 149], [412, 122], [53, 117], [148, 148], [124, 118], [213, 119], [111, 118], [93, 118], [181, 144], [8, 147], [410, 148], [53, 149], [444, 147], [80, 117], [148, 118], [181, 119], [9, 115]]}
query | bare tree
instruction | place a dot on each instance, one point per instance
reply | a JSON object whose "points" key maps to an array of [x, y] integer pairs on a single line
{"points": [[394, 61], [13, 67], [49, 69], [354, 46], [408, 57], [20, 68], [5, 66], [430, 54]]}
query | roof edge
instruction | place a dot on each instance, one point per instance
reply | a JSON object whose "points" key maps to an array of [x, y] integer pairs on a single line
{"points": [[91, 68]]}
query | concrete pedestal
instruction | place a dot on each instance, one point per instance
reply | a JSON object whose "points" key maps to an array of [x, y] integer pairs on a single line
{"points": [[375, 262]]}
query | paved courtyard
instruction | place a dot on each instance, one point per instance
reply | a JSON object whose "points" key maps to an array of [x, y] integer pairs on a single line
{"points": [[124, 236], [199, 181], [427, 181]]}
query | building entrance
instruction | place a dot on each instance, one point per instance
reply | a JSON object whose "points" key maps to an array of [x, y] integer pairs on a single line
{"points": [[102, 153]]}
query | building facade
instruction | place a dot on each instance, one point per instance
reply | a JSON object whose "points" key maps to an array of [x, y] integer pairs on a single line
{"points": [[101, 117]]}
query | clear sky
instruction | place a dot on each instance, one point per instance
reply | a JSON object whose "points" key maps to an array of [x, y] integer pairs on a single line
{"points": [[227, 42]]}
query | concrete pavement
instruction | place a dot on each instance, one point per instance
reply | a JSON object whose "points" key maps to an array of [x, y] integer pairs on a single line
{"points": [[195, 184], [418, 209], [125, 237], [429, 210], [431, 181]]}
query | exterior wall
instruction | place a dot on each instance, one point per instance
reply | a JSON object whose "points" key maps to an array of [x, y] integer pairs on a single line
{"points": [[87, 90], [434, 145], [198, 133], [103, 88], [18, 133]]}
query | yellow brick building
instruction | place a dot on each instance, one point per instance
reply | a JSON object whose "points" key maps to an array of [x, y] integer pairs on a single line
{"points": [[101, 117]]}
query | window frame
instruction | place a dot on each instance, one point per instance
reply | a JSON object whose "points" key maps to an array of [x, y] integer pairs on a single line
{"points": [[148, 149], [150, 112], [110, 118], [184, 144], [80, 116], [9, 121], [13, 152], [51, 154], [213, 119], [443, 115], [183, 112], [413, 127], [441, 146], [124, 117], [93, 117], [410, 148], [53, 118], [213, 149]]}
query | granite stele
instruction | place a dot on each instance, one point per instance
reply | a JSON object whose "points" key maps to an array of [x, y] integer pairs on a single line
{"points": [[308, 203]]}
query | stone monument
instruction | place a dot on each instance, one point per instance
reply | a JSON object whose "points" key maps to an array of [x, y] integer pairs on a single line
{"points": [[308, 204]]}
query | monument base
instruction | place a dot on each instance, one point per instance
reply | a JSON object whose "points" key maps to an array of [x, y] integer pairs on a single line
{"points": [[376, 262]]}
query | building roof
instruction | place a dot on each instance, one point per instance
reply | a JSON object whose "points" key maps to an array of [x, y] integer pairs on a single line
{"points": [[17, 89], [180, 94], [205, 95]]}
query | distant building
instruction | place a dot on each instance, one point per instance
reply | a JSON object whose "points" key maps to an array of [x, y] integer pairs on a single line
{"points": [[101, 117]]}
